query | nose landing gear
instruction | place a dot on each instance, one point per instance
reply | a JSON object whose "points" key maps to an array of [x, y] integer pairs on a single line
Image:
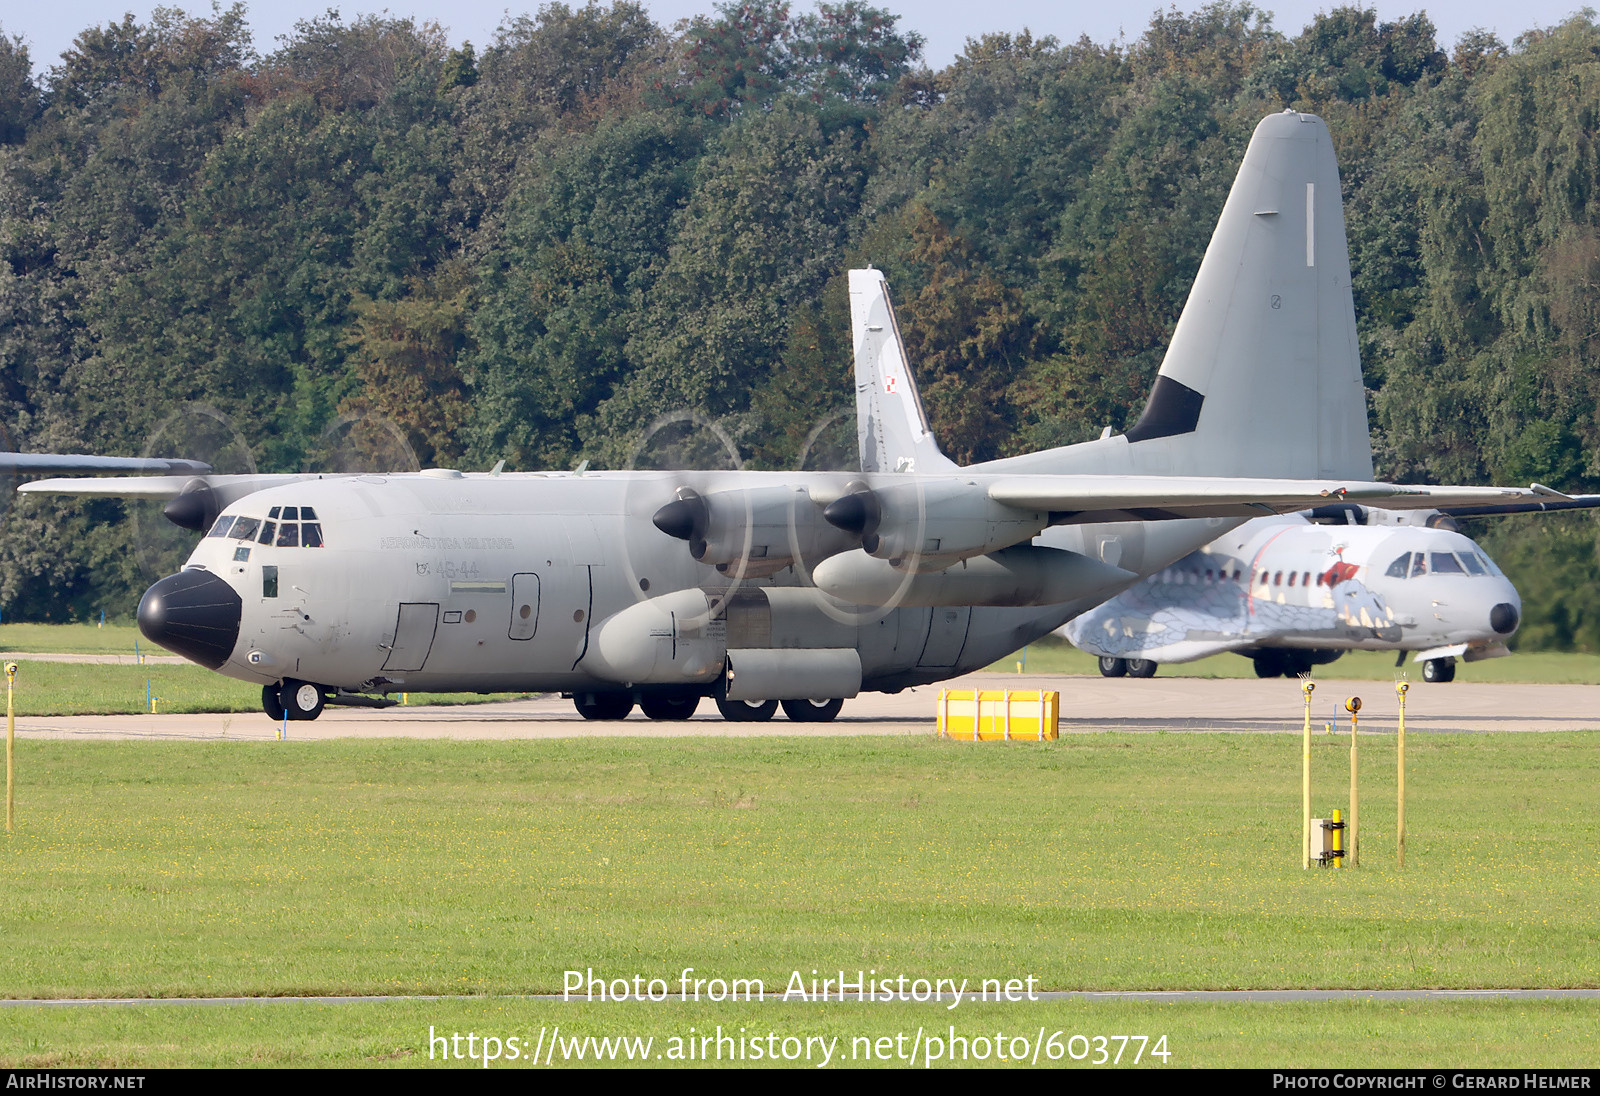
{"points": [[296, 699]]}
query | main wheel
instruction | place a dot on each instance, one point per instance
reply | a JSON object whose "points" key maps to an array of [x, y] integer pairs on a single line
{"points": [[272, 703], [668, 706], [1439, 670], [301, 699], [747, 711], [603, 705], [1268, 664], [812, 711], [1112, 667], [1141, 667]]}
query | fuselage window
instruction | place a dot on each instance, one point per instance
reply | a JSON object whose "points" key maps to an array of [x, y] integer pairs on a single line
{"points": [[269, 581], [1445, 564], [1291, 578], [220, 529], [1277, 579], [1419, 564], [1305, 579]]}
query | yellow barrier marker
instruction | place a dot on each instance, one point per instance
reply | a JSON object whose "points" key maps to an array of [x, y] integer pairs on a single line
{"points": [[998, 715], [11, 743], [1353, 706], [1307, 687], [1400, 764]]}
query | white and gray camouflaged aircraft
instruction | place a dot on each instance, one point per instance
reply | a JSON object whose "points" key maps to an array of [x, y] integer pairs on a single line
{"points": [[660, 588]]}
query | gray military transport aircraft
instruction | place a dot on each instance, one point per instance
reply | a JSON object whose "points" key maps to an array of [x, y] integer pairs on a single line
{"points": [[801, 588]]}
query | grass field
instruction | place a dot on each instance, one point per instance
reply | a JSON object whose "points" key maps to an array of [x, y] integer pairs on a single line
{"points": [[1104, 861]]}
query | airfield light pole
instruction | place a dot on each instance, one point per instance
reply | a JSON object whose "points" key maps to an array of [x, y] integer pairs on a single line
{"points": [[11, 742], [1353, 706], [1307, 687], [1400, 795]]}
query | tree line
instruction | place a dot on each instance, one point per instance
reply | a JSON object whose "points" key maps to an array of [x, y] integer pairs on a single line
{"points": [[366, 242]]}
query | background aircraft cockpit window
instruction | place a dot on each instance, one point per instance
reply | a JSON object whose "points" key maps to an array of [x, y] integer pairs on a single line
{"points": [[1399, 567], [1445, 564], [245, 529], [220, 529], [1489, 565], [1471, 560], [1419, 564]]}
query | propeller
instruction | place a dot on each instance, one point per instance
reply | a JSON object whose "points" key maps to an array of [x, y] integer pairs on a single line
{"points": [[164, 534], [364, 442]]}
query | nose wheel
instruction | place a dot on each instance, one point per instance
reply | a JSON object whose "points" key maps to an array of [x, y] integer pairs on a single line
{"points": [[292, 698], [1439, 670]]}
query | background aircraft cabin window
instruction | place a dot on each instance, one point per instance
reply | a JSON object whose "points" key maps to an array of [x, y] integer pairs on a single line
{"points": [[1305, 579], [311, 533], [1399, 567], [1445, 564], [1277, 579], [1419, 564], [1292, 577], [220, 529]]}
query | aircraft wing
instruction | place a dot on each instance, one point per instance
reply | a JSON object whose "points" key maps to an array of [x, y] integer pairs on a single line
{"points": [[1074, 499], [1540, 506], [68, 464]]}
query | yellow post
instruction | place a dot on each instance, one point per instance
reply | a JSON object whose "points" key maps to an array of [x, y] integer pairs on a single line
{"points": [[11, 744], [1306, 687], [1338, 838], [1400, 794], [1353, 706]]}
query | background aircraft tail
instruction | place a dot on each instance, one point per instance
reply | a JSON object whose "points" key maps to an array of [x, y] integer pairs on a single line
{"points": [[890, 425], [1263, 375]]}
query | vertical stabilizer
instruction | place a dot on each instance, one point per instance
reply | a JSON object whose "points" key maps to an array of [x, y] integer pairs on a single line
{"points": [[890, 425], [1263, 375]]}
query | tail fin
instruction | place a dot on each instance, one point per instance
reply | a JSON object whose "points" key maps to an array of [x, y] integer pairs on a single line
{"points": [[1263, 376], [890, 425]]}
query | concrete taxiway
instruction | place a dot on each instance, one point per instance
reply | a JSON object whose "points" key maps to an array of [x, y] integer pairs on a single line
{"points": [[1088, 705]]}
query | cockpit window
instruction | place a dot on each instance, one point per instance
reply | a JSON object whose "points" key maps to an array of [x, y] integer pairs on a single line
{"points": [[289, 534], [311, 534], [220, 529], [1419, 564], [307, 514], [245, 528], [1471, 560], [1489, 564], [267, 530], [1445, 564], [1399, 567]]}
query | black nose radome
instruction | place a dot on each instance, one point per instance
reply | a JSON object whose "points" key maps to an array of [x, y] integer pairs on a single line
{"points": [[1503, 618], [194, 614]]}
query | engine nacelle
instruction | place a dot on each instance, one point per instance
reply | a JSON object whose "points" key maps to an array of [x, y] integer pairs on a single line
{"points": [[1016, 576], [754, 532], [922, 524]]}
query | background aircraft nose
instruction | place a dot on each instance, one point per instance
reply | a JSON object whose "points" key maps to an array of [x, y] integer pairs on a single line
{"points": [[194, 614], [1503, 618]]}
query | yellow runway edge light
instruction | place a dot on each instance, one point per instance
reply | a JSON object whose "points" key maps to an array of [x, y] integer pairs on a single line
{"points": [[999, 715]]}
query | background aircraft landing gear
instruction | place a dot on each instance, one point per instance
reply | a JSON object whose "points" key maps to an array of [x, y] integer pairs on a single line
{"points": [[1141, 667], [1112, 667], [1439, 670], [668, 706], [812, 711], [603, 705], [747, 711], [301, 699]]}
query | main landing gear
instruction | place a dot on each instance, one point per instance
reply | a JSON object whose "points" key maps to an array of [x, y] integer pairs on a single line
{"points": [[1133, 667], [679, 706]]}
